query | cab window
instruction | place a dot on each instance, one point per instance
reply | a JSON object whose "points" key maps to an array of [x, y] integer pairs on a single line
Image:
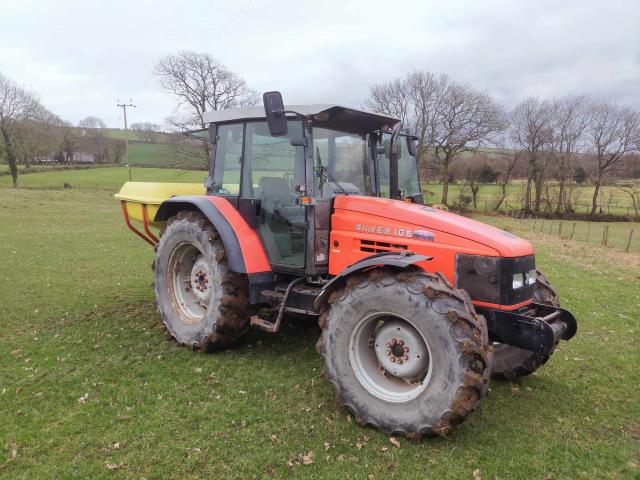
{"points": [[228, 159]]}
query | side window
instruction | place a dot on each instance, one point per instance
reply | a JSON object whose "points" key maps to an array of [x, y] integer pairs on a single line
{"points": [[228, 159], [273, 167]]}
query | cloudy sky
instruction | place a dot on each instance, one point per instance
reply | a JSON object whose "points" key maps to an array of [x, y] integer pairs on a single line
{"points": [[81, 56]]}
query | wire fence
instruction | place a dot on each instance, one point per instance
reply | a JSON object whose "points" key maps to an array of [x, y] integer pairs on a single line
{"points": [[622, 236]]}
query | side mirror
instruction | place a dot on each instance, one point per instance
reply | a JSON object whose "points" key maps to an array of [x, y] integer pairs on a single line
{"points": [[274, 111], [412, 146]]}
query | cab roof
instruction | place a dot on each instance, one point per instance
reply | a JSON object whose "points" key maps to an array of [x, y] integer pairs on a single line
{"points": [[330, 115]]}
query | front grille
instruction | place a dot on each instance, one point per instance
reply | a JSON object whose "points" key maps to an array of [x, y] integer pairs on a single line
{"points": [[379, 247], [489, 279], [371, 246]]}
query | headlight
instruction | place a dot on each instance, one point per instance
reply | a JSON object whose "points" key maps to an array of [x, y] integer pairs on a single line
{"points": [[518, 280], [530, 277]]}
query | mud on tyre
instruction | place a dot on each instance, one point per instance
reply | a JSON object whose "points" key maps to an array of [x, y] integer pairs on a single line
{"points": [[406, 352], [201, 303]]}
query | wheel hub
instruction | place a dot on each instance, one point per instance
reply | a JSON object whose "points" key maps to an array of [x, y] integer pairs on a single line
{"points": [[400, 350], [201, 280]]}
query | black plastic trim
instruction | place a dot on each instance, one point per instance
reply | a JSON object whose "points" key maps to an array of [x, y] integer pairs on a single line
{"points": [[490, 279]]}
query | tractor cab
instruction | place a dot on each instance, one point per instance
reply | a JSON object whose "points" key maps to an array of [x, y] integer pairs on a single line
{"points": [[282, 170]]}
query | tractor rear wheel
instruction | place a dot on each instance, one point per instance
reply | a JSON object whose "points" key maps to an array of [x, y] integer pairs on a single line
{"points": [[406, 352], [510, 362], [201, 303]]}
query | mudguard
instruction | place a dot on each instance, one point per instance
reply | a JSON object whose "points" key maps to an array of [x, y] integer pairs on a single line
{"points": [[397, 260], [242, 244]]}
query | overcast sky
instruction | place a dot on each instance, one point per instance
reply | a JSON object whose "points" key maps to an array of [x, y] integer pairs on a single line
{"points": [[81, 56]]}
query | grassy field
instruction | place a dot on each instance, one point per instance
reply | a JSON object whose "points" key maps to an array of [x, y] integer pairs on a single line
{"points": [[91, 388], [109, 179], [164, 155]]}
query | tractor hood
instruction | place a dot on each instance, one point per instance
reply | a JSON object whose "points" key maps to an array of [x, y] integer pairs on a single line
{"points": [[505, 243]]}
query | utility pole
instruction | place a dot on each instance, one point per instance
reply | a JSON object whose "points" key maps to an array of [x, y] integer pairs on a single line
{"points": [[126, 132]]}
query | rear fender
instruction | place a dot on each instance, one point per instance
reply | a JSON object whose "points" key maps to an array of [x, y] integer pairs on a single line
{"points": [[242, 244], [395, 260]]}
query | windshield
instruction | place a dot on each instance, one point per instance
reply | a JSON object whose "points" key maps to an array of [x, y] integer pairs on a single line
{"points": [[408, 180], [344, 156]]}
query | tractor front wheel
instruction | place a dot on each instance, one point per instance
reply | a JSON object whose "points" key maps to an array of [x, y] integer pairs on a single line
{"points": [[405, 351], [201, 303]]}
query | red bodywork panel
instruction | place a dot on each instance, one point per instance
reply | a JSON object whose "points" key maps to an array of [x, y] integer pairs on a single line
{"points": [[255, 258], [362, 226]]}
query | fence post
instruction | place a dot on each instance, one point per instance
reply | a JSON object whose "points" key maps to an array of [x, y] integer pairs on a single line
{"points": [[535, 220], [573, 229], [588, 231], [605, 235], [560, 229], [629, 241]]}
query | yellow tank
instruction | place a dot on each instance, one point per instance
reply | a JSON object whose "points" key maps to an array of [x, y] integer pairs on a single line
{"points": [[149, 195]]}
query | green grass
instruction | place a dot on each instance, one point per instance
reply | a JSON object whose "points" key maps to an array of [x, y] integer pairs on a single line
{"points": [[109, 179], [134, 135], [78, 318], [165, 155]]}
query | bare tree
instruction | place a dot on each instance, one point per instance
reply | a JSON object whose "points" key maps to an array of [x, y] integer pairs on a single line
{"points": [[569, 119], [612, 133], [530, 131], [92, 122], [201, 83], [508, 163], [633, 191], [17, 107], [391, 98], [464, 119], [68, 143]]}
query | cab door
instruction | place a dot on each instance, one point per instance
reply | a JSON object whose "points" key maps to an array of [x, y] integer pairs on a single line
{"points": [[272, 169]]}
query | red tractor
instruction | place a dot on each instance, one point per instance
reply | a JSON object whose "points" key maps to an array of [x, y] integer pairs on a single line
{"points": [[317, 211]]}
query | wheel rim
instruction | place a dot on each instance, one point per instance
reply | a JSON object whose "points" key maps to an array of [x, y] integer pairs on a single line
{"points": [[390, 357], [189, 283]]}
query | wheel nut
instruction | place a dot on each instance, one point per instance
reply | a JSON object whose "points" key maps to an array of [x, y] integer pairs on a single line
{"points": [[400, 361], [405, 358], [393, 359], [388, 351], [406, 349], [401, 342]]}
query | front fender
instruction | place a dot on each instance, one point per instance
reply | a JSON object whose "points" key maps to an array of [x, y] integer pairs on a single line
{"points": [[395, 260]]}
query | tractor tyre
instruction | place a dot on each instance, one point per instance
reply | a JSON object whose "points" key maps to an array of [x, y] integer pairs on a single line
{"points": [[406, 352], [201, 303], [510, 363]]}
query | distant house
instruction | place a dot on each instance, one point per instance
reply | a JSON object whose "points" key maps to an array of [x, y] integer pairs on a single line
{"points": [[83, 157]]}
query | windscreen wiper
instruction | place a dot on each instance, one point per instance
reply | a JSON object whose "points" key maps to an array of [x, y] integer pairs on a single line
{"points": [[324, 172]]}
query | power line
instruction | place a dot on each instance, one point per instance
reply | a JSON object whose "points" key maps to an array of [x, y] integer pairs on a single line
{"points": [[195, 21], [228, 24]]}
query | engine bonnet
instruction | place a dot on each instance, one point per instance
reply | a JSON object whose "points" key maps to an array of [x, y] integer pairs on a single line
{"points": [[505, 243]]}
